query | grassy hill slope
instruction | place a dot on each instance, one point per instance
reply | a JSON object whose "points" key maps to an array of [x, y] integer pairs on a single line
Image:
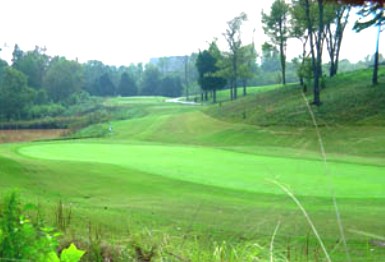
{"points": [[347, 99]]}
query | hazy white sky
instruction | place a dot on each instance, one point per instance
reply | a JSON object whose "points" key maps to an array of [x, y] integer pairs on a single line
{"points": [[120, 32]]}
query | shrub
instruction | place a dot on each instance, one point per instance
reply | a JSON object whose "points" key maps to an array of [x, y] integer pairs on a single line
{"points": [[20, 239], [39, 111]]}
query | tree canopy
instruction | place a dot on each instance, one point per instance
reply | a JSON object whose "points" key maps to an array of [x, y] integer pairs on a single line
{"points": [[63, 78], [16, 96], [209, 77], [372, 14], [276, 27]]}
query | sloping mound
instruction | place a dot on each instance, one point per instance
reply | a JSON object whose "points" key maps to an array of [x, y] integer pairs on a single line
{"points": [[347, 99]]}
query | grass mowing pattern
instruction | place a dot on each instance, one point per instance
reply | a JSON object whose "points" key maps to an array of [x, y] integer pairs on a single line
{"points": [[203, 165]]}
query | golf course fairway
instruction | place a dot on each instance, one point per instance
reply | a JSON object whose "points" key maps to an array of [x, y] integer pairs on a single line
{"points": [[225, 168], [251, 179]]}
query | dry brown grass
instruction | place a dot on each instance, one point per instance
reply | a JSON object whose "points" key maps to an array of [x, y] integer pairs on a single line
{"points": [[10, 136]]}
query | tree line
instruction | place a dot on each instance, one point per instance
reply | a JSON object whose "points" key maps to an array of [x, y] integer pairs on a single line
{"points": [[37, 85], [318, 24]]}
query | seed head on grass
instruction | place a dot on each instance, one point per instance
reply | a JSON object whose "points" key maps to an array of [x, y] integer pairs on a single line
{"points": [[272, 241], [326, 171], [306, 215]]}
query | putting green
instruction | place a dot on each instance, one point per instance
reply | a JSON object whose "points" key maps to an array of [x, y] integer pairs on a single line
{"points": [[224, 168]]}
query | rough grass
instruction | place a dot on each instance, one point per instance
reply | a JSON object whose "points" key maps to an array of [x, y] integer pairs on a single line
{"points": [[347, 99]]}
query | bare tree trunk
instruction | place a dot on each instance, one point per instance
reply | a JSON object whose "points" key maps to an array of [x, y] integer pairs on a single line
{"points": [[304, 43], [214, 96], [339, 36], [316, 95], [282, 55], [186, 76], [235, 90], [235, 72], [318, 71], [244, 87], [376, 55], [334, 41], [283, 65], [331, 49]]}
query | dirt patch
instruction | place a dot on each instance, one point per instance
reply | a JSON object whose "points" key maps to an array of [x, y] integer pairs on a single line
{"points": [[8, 136]]}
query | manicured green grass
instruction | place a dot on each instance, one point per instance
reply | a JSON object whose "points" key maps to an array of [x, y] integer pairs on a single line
{"points": [[114, 187], [224, 95], [116, 101], [196, 176], [242, 171]]}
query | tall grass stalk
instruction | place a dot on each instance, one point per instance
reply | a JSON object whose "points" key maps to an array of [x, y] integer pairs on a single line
{"points": [[326, 170], [272, 241], [367, 234], [306, 215]]}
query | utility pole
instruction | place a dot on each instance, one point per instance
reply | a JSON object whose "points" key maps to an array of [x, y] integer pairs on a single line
{"points": [[186, 76]]}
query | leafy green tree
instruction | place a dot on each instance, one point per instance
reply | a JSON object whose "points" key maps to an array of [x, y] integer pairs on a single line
{"points": [[233, 38], [151, 81], [304, 71], [270, 58], [170, 86], [276, 27], [135, 71], [191, 75], [335, 26], [374, 15], [299, 25], [314, 21], [164, 64], [92, 72], [17, 54], [248, 65], [210, 74], [205, 64], [16, 96], [106, 86], [34, 65], [270, 65], [3, 66], [63, 78], [100, 79], [127, 85]]}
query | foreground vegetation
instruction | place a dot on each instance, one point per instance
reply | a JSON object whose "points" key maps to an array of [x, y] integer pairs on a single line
{"points": [[198, 183], [20, 238]]}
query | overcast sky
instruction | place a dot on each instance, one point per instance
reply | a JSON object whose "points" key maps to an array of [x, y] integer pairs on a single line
{"points": [[120, 32]]}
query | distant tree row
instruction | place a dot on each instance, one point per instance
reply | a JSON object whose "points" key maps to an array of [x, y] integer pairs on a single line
{"points": [[37, 85]]}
